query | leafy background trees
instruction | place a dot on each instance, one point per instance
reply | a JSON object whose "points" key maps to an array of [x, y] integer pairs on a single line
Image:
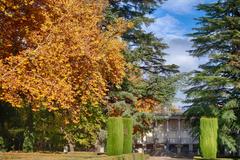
{"points": [[215, 90], [67, 65], [42, 77]]}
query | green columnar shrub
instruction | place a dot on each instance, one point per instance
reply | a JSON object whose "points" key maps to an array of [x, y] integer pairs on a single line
{"points": [[127, 131], [208, 137], [115, 136]]}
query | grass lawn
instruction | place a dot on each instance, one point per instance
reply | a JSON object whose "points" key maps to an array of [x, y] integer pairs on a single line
{"points": [[48, 156]]}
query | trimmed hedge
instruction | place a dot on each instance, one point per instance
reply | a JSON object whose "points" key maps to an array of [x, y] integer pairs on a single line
{"points": [[208, 137], [115, 136], [127, 131]]}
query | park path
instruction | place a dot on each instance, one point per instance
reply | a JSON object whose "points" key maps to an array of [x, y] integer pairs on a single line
{"points": [[167, 158]]}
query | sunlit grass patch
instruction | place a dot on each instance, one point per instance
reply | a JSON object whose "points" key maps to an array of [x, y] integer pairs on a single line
{"points": [[48, 156]]}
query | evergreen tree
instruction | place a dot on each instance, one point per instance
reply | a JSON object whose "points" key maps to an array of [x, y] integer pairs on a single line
{"points": [[149, 83], [144, 49], [216, 87], [145, 53]]}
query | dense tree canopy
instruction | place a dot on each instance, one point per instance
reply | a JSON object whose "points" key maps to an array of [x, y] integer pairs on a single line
{"points": [[66, 61], [57, 57], [145, 54], [73, 60], [145, 49], [18, 20], [215, 90]]}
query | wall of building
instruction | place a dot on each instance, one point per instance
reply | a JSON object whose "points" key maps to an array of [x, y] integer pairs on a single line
{"points": [[172, 135]]}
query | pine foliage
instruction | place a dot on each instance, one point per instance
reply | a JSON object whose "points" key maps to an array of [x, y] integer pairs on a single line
{"points": [[149, 83], [216, 87]]}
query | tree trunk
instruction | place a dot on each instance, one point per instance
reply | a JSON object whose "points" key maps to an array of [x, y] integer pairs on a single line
{"points": [[143, 144], [68, 138], [29, 121], [71, 147]]}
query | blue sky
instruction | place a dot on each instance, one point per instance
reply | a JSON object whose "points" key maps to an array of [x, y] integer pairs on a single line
{"points": [[174, 19]]}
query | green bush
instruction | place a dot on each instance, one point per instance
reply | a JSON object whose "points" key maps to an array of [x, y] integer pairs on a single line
{"points": [[28, 141], [115, 136], [2, 144], [127, 131], [208, 137]]}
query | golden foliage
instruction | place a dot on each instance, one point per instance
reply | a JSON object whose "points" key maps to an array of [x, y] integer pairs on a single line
{"points": [[174, 109], [146, 105], [18, 19], [73, 62]]}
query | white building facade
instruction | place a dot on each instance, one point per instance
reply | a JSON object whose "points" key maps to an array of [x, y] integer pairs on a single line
{"points": [[172, 135]]}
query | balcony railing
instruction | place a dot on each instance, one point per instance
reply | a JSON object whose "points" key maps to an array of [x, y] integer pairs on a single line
{"points": [[173, 141], [181, 141]]}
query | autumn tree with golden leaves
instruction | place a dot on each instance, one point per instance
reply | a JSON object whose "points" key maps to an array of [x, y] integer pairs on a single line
{"points": [[18, 19], [71, 62]]}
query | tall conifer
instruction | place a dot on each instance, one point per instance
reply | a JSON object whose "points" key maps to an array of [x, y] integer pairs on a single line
{"points": [[216, 86]]}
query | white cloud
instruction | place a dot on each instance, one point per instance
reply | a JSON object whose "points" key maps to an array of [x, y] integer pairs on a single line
{"points": [[173, 32], [167, 27], [178, 54], [180, 6]]}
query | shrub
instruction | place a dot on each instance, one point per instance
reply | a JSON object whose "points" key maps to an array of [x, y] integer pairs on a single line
{"points": [[127, 131], [115, 136], [208, 137], [28, 141], [2, 144]]}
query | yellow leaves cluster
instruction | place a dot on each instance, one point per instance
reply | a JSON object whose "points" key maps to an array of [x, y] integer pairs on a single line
{"points": [[18, 19], [174, 109], [73, 62], [146, 105]]}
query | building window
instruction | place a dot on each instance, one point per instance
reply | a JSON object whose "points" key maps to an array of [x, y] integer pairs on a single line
{"points": [[185, 125], [173, 125]]}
